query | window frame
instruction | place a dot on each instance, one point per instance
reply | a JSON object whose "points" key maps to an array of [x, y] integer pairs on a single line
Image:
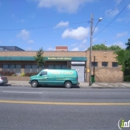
{"points": [[116, 64], [94, 64], [106, 65]]}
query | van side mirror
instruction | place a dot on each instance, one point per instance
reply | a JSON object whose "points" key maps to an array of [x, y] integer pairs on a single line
{"points": [[41, 74]]}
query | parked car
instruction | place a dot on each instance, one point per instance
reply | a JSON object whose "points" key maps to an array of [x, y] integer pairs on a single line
{"points": [[66, 77], [3, 80]]}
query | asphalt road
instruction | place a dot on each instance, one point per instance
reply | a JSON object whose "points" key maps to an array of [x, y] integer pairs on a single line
{"points": [[49, 108]]}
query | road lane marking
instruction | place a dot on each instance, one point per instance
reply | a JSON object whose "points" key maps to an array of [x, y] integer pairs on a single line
{"points": [[22, 92], [67, 103]]}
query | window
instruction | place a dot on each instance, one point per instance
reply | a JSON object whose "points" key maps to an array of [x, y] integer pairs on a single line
{"points": [[114, 64], [27, 68], [57, 66], [5, 68], [50, 66], [40, 68], [64, 66], [94, 64], [34, 68], [11, 68], [43, 73], [105, 64], [18, 69]]}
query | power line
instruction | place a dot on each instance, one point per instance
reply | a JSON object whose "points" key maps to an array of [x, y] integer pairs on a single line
{"points": [[42, 27], [51, 26], [113, 9], [113, 19]]}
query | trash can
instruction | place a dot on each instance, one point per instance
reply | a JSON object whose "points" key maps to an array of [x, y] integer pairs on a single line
{"points": [[92, 78]]}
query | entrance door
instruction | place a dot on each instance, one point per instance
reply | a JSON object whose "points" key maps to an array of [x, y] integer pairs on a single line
{"points": [[80, 70]]}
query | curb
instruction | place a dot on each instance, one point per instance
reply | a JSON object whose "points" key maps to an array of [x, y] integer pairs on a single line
{"points": [[81, 85]]}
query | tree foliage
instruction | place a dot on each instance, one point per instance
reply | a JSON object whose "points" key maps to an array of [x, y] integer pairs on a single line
{"points": [[128, 44], [123, 58], [39, 58], [114, 48], [104, 47]]}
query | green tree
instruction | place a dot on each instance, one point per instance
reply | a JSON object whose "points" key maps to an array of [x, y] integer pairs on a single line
{"points": [[39, 58], [123, 58], [104, 47], [114, 48], [128, 44], [99, 47]]}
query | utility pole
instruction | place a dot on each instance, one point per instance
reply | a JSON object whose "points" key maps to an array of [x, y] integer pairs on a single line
{"points": [[90, 52], [91, 41]]}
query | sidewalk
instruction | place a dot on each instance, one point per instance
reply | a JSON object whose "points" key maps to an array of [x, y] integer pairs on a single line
{"points": [[108, 85], [83, 84]]}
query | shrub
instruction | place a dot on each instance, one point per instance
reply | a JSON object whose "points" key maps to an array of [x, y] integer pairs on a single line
{"points": [[22, 74], [127, 78], [7, 73], [13, 75], [30, 73]]}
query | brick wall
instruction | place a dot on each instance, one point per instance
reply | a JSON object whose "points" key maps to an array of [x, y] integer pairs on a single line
{"points": [[47, 53], [105, 74], [108, 75]]}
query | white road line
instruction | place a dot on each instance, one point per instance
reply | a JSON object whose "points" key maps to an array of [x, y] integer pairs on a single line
{"points": [[22, 92]]}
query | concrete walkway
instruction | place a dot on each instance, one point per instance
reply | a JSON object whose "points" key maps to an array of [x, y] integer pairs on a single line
{"points": [[110, 85], [84, 84]]}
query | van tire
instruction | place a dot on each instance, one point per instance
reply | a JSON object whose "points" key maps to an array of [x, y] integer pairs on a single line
{"points": [[68, 84], [34, 84]]}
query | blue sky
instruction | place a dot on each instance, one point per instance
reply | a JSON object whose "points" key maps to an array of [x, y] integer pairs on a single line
{"points": [[32, 24]]}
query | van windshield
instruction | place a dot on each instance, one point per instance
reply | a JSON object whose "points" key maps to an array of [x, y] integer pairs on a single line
{"points": [[43, 73]]}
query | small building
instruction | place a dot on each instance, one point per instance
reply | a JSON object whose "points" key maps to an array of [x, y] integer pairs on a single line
{"points": [[104, 64], [61, 48]]}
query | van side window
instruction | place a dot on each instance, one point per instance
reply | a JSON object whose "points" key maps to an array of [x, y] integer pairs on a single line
{"points": [[43, 73]]}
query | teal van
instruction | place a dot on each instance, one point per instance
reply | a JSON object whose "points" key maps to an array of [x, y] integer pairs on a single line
{"points": [[55, 77]]}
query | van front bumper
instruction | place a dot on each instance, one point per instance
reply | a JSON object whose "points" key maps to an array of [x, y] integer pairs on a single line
{"points": [[29, 82]]}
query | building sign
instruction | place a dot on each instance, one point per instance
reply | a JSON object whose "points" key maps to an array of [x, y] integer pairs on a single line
{"points": [[59, 58], [65, 58], [31, 58]]}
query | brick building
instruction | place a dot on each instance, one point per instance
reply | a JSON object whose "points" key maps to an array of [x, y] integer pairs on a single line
{"points": [[104, 64]]}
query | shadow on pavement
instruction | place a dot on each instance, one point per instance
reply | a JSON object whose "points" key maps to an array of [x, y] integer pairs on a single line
{"points": [[57, 87], [5, 85]]}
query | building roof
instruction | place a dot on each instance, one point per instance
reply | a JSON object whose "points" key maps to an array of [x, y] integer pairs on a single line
{"points": [[61, 47], [10, 48]]}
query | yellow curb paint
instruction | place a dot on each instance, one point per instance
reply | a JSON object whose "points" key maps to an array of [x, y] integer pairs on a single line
{"points": [[67, 103]]}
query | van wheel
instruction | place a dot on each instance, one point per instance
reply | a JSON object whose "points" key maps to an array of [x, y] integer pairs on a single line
{"points": [[68, 84], [34, 84]]}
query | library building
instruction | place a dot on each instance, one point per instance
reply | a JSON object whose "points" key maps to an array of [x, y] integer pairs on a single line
{"points": [[104, 66]]}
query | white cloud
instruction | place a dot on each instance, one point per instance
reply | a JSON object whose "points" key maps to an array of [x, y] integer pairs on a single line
{"points": [[75, 49], [24, 34], [73, 45], [22, 21], [118, 35], [121, 44], [79, 34], [83, 44], [13, 15], [79, 46], [50, 49], [112, 13], [118, 1], [70, 6], [29, 49], [30, 41], [129, 6], [62, 24]]}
